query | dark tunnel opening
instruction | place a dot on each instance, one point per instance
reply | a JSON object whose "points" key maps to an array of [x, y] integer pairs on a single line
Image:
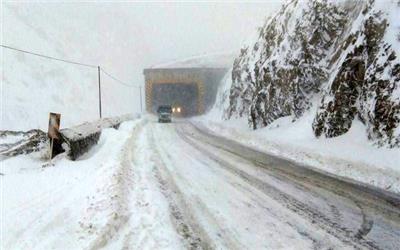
{"points": [[183, 95]]}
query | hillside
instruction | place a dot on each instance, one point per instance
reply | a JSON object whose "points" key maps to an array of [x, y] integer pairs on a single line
{"points": [[34, 86], [319, 84], [336, 61]]}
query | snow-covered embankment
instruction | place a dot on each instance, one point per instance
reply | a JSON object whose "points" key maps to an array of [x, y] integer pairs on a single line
{"points": [[75, 205], [320, 84]]}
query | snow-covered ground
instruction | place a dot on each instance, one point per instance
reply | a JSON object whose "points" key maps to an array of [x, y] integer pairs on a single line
{"points": [[350, 155], [82, 204], [165, 186], [32, 86]]}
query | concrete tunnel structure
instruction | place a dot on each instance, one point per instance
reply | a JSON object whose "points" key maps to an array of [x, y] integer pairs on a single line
{"points": [[190, 84]]}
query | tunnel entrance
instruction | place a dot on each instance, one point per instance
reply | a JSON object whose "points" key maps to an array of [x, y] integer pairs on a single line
{"points": [[183, 95]]}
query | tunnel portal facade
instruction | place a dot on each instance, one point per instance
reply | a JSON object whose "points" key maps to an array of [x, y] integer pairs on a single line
{"points": [[193, 90]]}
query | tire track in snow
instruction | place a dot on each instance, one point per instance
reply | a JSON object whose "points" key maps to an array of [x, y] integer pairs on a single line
{"points": [[117, 192], [226, 231], [193, 234], [150, 225], [380, 207], [332, 227]]}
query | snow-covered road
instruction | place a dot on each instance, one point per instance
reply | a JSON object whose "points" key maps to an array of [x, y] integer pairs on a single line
{"points": [[175, 186], [236, 197]]}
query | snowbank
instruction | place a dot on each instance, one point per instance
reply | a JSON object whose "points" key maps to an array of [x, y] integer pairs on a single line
{"points": [[83, 200], [82, 137], [109, 198], [350, 155]]}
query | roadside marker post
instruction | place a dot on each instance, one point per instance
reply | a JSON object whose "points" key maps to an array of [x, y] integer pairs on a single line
{"points": [[53, 131]]}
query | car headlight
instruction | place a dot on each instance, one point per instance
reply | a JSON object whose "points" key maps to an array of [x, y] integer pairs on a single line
{"points": [[173, 110], [178, 109]]}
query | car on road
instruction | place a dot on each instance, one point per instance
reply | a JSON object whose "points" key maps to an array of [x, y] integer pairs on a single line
{"points": [[164, 113], [176, 110]]}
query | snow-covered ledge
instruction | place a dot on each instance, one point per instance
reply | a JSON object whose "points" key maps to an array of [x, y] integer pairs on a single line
{"points": [[79, 139]]}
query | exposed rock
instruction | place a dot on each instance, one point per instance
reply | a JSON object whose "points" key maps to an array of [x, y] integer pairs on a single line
{"points": [[336, 55], [19, 142], [288, 63], [364, 87]]}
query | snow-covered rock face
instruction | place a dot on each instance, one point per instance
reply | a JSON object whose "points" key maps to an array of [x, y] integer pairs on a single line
{"points": [[340, 56], [365, 84]]}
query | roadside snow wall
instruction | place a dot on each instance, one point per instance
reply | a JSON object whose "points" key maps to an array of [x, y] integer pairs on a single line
{"points": [[81, 138]]}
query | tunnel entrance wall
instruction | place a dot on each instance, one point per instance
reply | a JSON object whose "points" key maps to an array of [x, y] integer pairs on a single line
{"points": [[206, 81], [183, 95]]}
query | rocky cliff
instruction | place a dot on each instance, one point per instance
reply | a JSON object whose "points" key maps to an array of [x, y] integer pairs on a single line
{"points": [[341, 58]]}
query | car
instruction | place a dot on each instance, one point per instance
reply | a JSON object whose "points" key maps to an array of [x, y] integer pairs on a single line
{"points": [[176, 110], [164, 113]]}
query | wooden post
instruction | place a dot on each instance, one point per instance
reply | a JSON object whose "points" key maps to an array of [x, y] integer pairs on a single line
{"points": [[53, 130], [51, 148], [98, 71]]}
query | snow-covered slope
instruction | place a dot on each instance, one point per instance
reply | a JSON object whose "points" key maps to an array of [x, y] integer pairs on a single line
{"points": [[342, 57], [33, 86], [301, 78]]}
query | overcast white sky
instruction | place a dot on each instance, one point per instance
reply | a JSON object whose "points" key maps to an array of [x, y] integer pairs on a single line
{"points": [[126, 37]]}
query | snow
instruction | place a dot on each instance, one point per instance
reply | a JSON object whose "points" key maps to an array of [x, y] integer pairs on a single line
{"points": [[216, 60], [228, 208], [112, 198], [9, 139], [351, 155], [390, 9], [222, 99], [115, 196], [87, 128], [77, 204], [137, 190], [33, 86]]}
